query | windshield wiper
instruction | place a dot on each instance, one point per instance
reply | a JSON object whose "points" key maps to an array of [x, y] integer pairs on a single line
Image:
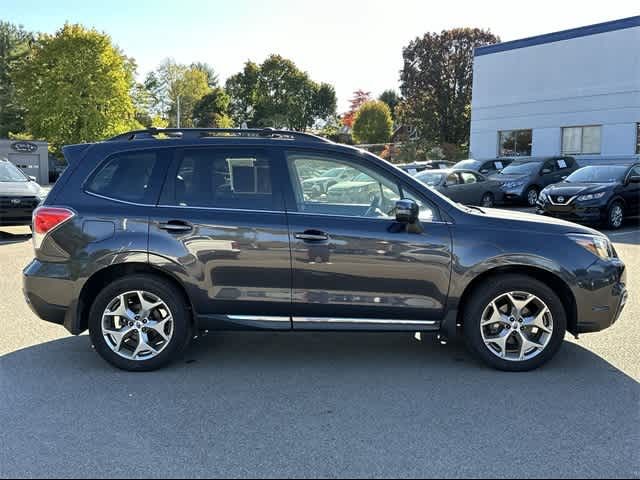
{"points": [[473, 207]]}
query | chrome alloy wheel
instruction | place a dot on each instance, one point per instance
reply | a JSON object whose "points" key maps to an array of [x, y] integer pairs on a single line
{"points": [[617, 216], [532, 197], [137, 325], [517, 326]]}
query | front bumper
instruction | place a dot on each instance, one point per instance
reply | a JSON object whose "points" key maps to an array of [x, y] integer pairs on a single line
{"points": [[601, 295], [575, 212], [49, 291]]}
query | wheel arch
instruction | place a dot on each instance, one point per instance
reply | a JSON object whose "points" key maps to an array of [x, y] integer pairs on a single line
{"points": [[101, 278], [556, 283]]}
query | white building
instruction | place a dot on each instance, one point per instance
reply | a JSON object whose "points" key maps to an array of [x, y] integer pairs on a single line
{"points": [[575, 92]]}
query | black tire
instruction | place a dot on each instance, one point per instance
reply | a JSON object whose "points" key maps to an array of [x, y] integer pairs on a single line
{"points": [[529, 196], [615, 216], [488, 200], [169, 294], [483, 295]]}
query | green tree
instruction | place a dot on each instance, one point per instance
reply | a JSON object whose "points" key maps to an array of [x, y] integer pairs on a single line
{"points": [[278, 94], [436, 83], [213, 80], [392, 99], [14, 45], [373, 123], [212, 111], [76, 87], [189, 88]]}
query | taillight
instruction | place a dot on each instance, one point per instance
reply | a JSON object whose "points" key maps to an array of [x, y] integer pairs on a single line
{"points": [[46, 219]]}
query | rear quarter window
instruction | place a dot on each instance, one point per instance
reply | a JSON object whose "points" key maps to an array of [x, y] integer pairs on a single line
{"points": [[125, 176]]}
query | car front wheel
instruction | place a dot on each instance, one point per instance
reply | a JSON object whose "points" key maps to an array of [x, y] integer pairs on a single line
{"points": [[514, 323], [615, 216], [531, 196], [140, 323], [488, 200]]}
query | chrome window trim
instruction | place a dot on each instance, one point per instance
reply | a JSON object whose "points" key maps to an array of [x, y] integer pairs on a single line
{"points": [[259, 318], [125, 202], [363, 321]]}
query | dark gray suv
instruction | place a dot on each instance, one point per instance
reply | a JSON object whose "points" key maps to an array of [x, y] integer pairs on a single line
{"points": [[150, 237]]}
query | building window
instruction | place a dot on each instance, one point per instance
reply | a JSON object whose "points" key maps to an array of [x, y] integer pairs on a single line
{"points": [[638, 139], [515, 143], [581, 140]]}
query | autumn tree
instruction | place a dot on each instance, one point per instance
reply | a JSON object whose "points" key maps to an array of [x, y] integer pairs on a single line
{"points": [[437, 81], [76, 87], [360, 97], [373, 123]]}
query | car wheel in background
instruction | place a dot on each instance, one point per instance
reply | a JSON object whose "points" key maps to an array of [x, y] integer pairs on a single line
{"points": [[615, 216], [140, 323], [514, 323], [531, 197], [488, 200]]}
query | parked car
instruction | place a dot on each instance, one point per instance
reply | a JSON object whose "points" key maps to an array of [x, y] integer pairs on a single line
{"points": [[19, 195], [317, 186], [602, 194], [488, 167], [523, 180], [56, 168], [121, 249], [417, 167], [464, 186], [363, 189]]}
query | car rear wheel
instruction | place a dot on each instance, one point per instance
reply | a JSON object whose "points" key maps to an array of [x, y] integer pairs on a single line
{"points": [[532, 196], [488, 200], [514, 323], [140, 323], [615, 216]]}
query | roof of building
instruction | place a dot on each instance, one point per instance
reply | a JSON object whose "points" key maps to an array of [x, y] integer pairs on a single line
{"points": [[612, 26]]}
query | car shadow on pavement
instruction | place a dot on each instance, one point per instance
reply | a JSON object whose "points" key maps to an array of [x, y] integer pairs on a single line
{"points": [[305, 405], [9, 237]]}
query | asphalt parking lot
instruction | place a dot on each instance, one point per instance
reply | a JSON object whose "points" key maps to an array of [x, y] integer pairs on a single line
{"points": [[304, 405]]}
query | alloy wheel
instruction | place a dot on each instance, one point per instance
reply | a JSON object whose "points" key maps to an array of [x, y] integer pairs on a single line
{"points": [[617, 216], [137, 325], [532, 197], [488, 201], [516, 326]]}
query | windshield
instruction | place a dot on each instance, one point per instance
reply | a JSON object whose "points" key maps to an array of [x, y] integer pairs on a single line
{"points": [[468, 165], [10, 173], [520, 168], [430, 179], [598, 175]]}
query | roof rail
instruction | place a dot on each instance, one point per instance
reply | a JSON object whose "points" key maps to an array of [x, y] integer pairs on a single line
{"points": [[199, 133]]}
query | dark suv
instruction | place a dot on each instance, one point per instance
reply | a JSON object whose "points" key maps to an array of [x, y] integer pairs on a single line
{"points": [[150, 237]]}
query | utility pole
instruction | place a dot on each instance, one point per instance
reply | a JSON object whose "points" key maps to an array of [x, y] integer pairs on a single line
{"points": [[178, 121]]}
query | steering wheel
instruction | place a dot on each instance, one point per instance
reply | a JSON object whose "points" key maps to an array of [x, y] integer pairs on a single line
{"points": [[374, 208]]}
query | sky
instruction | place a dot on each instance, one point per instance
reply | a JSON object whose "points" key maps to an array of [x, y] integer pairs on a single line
{"points": [[349, 44]]}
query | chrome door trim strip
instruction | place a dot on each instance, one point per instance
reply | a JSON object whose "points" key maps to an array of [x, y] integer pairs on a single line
{"points": [[362, 321], [258, 318]]}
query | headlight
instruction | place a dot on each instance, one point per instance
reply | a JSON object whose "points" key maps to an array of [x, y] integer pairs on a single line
{"points": [[593, 196], [601, 247]]}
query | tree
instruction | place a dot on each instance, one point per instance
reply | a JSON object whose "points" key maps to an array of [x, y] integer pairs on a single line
{"points": [[373, 123], [392, 99], [76, 87], [278, 94], [209, 71], [436, 83], [212, 111], [14, 45], [242, 88], [360, 97], [188, 89]]}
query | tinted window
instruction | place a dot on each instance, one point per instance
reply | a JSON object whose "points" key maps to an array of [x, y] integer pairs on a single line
{"points": [[521, 168], [471, 164], [598, 174], [125, 176], [430, 179], [218, 179]]}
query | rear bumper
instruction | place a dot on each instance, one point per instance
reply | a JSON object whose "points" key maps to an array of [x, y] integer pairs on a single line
{"points": [[601, 296], [50, 293]]}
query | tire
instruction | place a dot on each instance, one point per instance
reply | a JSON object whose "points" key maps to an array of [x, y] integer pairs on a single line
{"points": [[531, 196], [615, 216], [155, 288], [488, 200], [480, 304]]}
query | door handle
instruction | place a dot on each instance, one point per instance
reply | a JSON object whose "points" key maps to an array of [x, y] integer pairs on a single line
{"points": [[176, 227], [312, 236]]}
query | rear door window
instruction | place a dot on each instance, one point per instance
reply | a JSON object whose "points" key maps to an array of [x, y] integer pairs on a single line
{"points": [[127, 177], [217, 178]]}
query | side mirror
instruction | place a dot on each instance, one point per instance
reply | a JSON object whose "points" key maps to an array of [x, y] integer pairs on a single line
{"points": [[33, 179], [634, 179], [546, 171], [484, 171], [407, 211]]}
